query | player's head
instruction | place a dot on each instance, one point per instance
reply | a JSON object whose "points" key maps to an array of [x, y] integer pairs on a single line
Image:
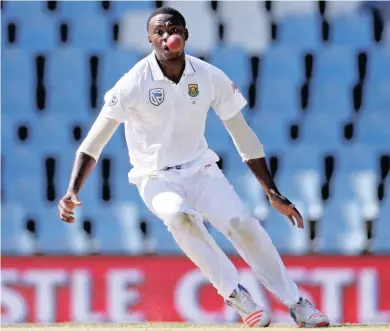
{"points": [[162, 23]]}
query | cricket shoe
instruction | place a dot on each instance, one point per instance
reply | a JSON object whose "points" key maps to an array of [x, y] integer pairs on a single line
{"points": [[251, 313], [307, 316]]}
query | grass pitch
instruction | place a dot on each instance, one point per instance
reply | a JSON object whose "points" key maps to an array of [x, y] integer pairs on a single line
{"points": [[177, 327]]}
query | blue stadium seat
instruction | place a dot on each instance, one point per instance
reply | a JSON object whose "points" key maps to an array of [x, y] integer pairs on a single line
{"points": [[323, 131], [4, 32], [381, 229], [359, 185], [39, 34], [165, 244], [115, 63], [349, 158], [9, 132], [272, 132], [120, 8], [333, 99], [303, 187], [58, 66], [341, 230], [57, 237], [49, 132], [23, 10], [365, 187], [281, 62], [303, 156], [223, 56], [68, 84], [27, 190], [15, 164], [281, 97], [341, 189], [376, 95], [335, 64], [373, 129], [302, 32], [288, 239], [79, 10], [352, 30], [18, 71], [216, 134], [15, 239], [92, 33], [116, 228], [286, 182], [378, 66], [24, 182]]}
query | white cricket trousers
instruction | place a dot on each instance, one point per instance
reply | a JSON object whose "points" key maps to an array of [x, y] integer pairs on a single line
{"points": [[180, 205]]}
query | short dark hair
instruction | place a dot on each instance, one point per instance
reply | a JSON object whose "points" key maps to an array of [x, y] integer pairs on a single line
{"points": [[166, 10]]}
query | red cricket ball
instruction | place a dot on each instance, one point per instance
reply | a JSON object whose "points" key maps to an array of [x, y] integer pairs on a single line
{"points": [[175, 43]]}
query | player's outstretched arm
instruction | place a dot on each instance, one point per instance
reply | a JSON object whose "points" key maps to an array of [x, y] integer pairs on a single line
{"points": [[82, 167], [284, 206], [85, 161], [251, 151]]}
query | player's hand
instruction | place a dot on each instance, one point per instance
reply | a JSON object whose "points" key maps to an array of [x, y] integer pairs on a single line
{"points": [[66, 206], [286, 207]]}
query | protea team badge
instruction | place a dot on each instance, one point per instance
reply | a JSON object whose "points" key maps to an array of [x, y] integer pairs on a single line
{"points": [[193, 90], [156, 96]]}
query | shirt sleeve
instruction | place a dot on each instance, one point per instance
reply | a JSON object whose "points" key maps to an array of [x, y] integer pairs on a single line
{"points": [[228, 100], [119, 101]]}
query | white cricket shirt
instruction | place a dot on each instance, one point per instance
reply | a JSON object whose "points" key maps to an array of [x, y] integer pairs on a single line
{"points": [[165, 122]]}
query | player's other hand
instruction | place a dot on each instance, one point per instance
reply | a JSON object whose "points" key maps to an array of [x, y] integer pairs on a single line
{"points": [[286, 207], [66, 206]]}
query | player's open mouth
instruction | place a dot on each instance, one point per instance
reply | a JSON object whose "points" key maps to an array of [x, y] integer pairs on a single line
{"points": [[166, 48]]}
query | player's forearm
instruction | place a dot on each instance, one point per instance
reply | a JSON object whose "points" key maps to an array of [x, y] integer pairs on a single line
{"points": [[82, 167], [260, 169], [251, 150]]}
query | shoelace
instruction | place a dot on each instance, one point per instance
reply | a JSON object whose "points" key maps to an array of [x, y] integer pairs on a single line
{"points": [[304, 304], [246, 303]]}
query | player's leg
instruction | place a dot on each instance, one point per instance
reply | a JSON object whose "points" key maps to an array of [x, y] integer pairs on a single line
{"points": [[226, 212], [224, 209], [167, 201]]}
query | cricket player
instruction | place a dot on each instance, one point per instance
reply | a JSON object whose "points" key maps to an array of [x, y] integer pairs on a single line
{"points": [[163, 102]]}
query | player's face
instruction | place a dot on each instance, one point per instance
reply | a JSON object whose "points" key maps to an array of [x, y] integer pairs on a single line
{"points": [[160, 28]]}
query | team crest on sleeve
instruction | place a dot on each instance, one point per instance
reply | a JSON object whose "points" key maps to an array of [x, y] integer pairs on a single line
{"points": [[113, 98], [156, 96], [193, 90]]}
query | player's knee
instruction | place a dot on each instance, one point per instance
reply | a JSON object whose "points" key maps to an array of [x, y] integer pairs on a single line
{"points": [[238, 225], [242, 227], [181, 221], [250, 231]]}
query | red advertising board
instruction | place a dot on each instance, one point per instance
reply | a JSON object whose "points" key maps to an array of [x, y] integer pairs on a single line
{"points": [[123, 289]]}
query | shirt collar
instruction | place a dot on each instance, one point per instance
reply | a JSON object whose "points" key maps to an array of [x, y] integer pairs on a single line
{"points": [[157, 74]]}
